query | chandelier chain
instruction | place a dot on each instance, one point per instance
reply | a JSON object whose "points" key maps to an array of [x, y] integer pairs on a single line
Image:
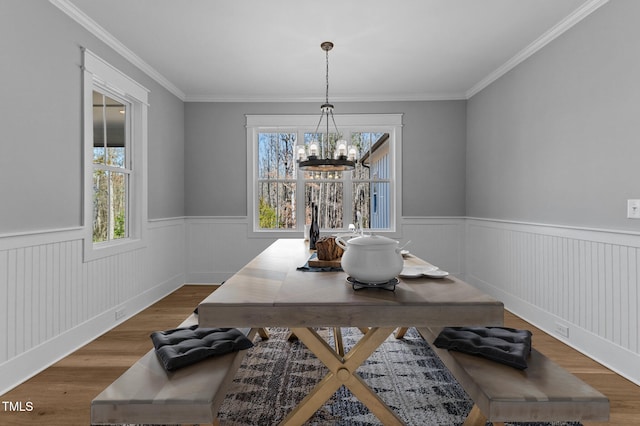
{"points": [[327, 76]]}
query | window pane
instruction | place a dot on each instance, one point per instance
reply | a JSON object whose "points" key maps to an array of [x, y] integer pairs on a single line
{"points": [[361, 202], [115, 113], [109, 205], [100, 205], [328, 196], [277, 205], [119, 187], [372, 200], [380, 206], [369, 145], [362, 142], [109, 131], [275, 155]]}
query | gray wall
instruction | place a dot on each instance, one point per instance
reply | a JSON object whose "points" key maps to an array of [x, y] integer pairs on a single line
{"points": [[166, 155], [433, 154], [40, 113], [556, 140]]}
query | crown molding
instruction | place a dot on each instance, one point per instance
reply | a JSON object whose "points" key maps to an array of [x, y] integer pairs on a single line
{"points": [[336, 99], [103, 35], [578, 15], [94, 28]]}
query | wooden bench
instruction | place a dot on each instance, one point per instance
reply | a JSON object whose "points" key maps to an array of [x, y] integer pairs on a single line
{"points": [[147, 393], [542, 392]]}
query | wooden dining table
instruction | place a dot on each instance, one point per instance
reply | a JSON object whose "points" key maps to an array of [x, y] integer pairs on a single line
{"points": [[272, 291]]}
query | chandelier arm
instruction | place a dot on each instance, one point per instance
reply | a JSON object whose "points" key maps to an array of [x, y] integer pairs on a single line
{"points": [[319, 122], [334, 125]]}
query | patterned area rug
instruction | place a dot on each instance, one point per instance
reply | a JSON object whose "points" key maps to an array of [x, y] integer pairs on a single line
{"points": [[276, 374]]}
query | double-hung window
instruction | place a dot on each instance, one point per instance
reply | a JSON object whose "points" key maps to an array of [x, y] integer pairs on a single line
{"points": [[281, 195], [115, 145]]}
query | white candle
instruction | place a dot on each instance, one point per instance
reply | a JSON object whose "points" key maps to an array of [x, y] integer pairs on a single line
{"points": [[301, 153], [342, 149], [313, 149], [353, 153]]}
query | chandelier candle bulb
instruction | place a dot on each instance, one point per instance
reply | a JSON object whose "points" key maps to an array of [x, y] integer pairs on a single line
{"points": [[313, 150], [301, 153], [353, 153]]}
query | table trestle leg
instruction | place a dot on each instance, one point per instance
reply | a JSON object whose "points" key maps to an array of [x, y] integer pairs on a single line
{"points": [[476, 418], [337, 339], [342, 371], [401, 332]]}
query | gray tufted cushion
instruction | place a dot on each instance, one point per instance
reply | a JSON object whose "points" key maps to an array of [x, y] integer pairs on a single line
{"points": [[506, 345], [185, 346]]}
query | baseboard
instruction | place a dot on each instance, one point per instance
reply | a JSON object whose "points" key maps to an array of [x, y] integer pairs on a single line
{"points": [[208, 277], [26, 365]]}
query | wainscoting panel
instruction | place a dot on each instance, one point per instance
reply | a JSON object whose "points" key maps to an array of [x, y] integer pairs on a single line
{"points": [[579, 285], [52, 302], [558, 278]]}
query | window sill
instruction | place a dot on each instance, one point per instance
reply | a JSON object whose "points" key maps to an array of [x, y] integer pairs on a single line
{"points": [[94, 251]]}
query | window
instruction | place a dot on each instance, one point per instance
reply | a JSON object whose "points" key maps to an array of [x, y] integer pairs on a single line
{"points": [[111, 168], [280, 195], [115, 132]]}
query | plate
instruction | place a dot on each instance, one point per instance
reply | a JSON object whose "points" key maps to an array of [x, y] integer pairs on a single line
{"points": [[417, 271], [438, 273]]}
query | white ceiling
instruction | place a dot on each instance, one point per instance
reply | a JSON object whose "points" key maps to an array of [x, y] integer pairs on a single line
{"points": [[258, 50]]}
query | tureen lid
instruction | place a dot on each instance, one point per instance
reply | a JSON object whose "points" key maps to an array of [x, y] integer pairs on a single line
{"points": [[371, 240]]}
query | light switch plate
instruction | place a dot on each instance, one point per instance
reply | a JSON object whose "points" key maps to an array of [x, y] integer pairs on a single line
{"points": [[633, 209]]}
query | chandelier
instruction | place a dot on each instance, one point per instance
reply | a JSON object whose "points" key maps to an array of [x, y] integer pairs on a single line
{"points": [[316, 156]]}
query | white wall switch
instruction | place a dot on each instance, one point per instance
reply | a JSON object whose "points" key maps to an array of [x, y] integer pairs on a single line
{"points": [[633, 209]]}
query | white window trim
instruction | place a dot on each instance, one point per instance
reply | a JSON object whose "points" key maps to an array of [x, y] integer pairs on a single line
{"points": [[99, 74], [389, 123]]}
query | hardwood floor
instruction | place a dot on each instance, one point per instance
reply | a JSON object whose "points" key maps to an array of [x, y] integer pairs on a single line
{"points": [[62, 394]]}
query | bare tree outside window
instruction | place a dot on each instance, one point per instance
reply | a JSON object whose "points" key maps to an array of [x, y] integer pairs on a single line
{"points": [[284, 194], [110, 169], [325, 189], [276, 180]]}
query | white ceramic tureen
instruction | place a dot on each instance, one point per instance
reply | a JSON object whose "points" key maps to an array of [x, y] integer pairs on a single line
{"points": [[371, 259]]}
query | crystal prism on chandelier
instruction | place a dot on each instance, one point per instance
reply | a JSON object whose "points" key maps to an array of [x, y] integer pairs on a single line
{"points": [[315, 156]]}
